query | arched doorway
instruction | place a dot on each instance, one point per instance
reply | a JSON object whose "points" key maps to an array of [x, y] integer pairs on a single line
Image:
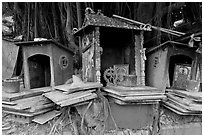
{"points": [[177, 59], [39, 71]]}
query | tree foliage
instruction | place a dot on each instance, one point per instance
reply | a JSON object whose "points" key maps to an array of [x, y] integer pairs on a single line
{"points": [[55, 20]]}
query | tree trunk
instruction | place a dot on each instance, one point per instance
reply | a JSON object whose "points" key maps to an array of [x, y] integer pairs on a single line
{"points": [[63, 21], [68, 22], [158, 21], [78, 5], [25, 21], [16, 13], [145, 11], [135, 7], [68, 28], [117, 9], [56, 36], [28, 22], [35, 22]]}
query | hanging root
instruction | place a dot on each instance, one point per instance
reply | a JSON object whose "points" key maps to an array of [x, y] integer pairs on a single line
{"points": [[83, 117], [53, 129], [107, 110], [73, 124], [62, 117]]}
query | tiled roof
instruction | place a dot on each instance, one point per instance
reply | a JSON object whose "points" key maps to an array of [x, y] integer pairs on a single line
{"points": [[92, 19]]}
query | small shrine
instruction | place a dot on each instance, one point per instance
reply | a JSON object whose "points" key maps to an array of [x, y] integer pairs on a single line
{"points": [[173, 65], [111, 48], [113, 54], [46, 63], [175, 68]]}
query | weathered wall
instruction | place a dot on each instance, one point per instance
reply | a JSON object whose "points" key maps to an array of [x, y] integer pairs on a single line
{"points": [[36, 49], [186, 129], [156, 75], [174, 124], [131, 116], [9, 58], [61, 75]]}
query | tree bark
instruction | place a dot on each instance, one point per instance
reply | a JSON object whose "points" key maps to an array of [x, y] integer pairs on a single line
{"points": [[35, 22], [68, 22], [56, 35], [78, 5], [68, 28], [62, 20], [28, 22], [16, 13]]}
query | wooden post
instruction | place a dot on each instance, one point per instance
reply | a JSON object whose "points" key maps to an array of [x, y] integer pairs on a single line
{"points": [[156, 117], [97, 55], [137, 58], [26, 70], [143, 58]]}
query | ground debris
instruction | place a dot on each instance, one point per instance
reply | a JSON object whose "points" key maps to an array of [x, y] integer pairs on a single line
{"points": [[12, 130], [69, 122], [17, 128], [128, 132]]}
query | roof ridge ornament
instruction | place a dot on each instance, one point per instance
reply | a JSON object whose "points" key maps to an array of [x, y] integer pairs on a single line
{"points": [[74, 30], [89, 10], [99, 12]]}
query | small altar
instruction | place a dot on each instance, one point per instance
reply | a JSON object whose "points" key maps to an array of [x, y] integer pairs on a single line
{"points": [[134, 107], [113, 54]]}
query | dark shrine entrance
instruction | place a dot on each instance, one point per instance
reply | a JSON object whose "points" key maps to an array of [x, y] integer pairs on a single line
{"points": [[39, 71], [177, 59], [118, 48]]}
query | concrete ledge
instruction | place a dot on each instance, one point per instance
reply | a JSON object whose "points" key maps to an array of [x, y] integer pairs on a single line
{"points": [[186, 129]]}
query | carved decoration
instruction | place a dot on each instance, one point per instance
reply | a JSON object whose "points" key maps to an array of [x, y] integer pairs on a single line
{"points": [[128, 81], [143, 58], [122, 69], [87, 40], [98, 51], [110, 76], [89, 10], [137, 59], [88, 64], [92, 56], [181, 76]]}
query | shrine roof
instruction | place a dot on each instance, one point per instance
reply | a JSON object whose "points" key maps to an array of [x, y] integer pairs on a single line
{"points": [[32, 43], [167, 44], [100, 20]]}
